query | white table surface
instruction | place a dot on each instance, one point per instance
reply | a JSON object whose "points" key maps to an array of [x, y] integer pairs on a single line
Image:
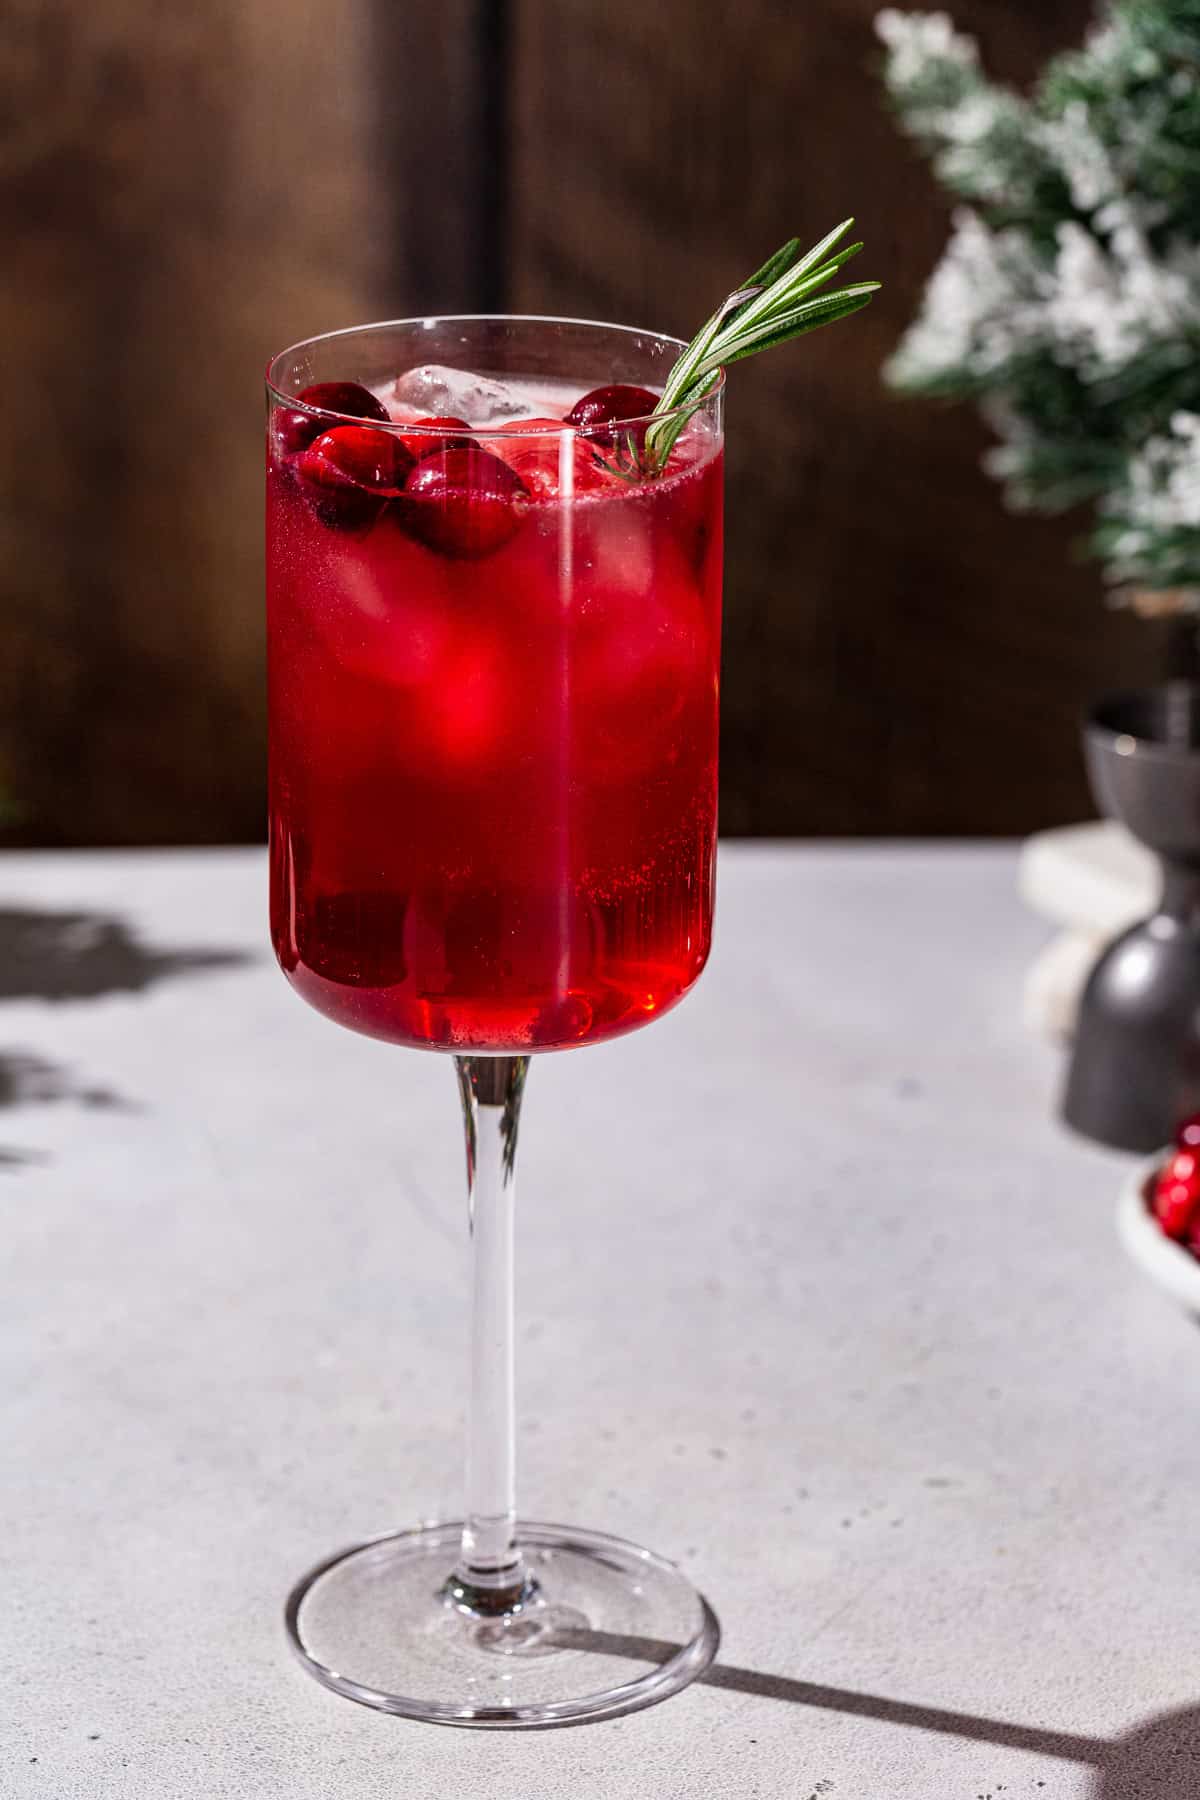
{"points": [[814, 1295]]}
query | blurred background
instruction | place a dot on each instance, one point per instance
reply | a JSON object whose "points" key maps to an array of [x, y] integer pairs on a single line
{"points": [[186, 188]]}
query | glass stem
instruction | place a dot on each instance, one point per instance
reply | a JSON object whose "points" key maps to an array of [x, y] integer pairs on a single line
{"points": [[491, 1576]]}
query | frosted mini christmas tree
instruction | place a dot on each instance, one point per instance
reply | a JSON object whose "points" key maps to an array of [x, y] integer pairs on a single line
{"points": [[1067, 302]]}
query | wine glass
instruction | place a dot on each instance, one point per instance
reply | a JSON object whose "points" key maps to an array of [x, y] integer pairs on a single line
{"points": [[494, 638]]}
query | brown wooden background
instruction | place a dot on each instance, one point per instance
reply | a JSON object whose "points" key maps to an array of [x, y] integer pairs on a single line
{"points": [[187, 186]]}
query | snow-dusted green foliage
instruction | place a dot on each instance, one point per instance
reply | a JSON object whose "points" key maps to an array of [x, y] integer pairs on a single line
{"points": [[1067, 301]]}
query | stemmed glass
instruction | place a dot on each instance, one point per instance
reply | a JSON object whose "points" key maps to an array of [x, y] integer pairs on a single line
{"points": [[493, 669]]}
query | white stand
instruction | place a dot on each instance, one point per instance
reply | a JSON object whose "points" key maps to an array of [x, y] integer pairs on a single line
{"points": [[1091, 881]]}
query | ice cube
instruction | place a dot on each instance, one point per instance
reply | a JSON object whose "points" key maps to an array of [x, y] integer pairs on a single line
{"points": [[435, 391]]}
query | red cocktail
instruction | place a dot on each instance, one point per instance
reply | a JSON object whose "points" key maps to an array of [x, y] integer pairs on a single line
{"points": [[494, 675], [494, 571], [494, 591]]}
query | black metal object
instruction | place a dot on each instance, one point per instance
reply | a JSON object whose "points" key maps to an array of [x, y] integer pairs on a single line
{"points": [[443, 144], [1135, 1067], [493, 37]]}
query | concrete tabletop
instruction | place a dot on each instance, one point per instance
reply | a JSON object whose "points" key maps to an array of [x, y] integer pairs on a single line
{"points": [[814, 1296]]}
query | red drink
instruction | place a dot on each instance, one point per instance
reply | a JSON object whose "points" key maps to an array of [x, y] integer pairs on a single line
{"points": [[494, 620], [493, 716]]}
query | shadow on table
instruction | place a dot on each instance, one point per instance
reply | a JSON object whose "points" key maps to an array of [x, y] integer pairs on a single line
{"points": [[1160, 1757], [83, 955], [61, 956]]}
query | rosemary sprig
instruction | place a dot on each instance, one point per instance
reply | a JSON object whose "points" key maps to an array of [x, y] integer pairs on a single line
{"points": [[778, 302]]}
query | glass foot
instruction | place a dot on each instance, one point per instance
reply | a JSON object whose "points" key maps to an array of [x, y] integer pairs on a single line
{"points": [[607, 1629]]}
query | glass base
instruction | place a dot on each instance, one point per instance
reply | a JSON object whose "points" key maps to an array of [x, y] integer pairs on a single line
{"points": [[608, 1628]]}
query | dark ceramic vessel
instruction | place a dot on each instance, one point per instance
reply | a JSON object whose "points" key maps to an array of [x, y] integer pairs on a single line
{"points": [[1135, 1067]]}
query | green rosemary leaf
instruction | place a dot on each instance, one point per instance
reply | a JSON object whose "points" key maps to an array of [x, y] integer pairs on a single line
{"points": [[808, 317], [820, 276], [780, 290], [678, 379], [774, 266], [808, 285], [661, 436], [681, 374], [778, 302], [823, 310]]}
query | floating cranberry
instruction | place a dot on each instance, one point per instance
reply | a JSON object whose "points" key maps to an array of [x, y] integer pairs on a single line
{"points": [[420, 445], [295, 430], [463, 502], [529, 427], [536, 456], [350, 472], [1177, 1193], [611, 405], [356, 939]]}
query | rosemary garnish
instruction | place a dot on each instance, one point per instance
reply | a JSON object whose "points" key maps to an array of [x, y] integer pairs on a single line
{"points": [[775, 304]]}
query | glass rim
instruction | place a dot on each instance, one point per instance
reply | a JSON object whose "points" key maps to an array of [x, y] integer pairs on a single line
{"points": [[425, 320]]}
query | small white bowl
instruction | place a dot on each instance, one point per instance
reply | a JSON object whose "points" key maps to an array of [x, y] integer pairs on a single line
{"points": [[1167, 1263]]}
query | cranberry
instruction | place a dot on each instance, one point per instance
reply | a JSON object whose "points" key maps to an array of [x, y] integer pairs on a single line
{"points": [[420, 445], [536, 456], [461, 502], [530, 427], [610, 405], [295, 430], [348, 473], [356, 939], [1187, 1134], [1177, 1193]]}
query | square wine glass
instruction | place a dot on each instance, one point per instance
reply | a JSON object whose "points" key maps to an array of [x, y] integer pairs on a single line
{"points": [[494, 642]]}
